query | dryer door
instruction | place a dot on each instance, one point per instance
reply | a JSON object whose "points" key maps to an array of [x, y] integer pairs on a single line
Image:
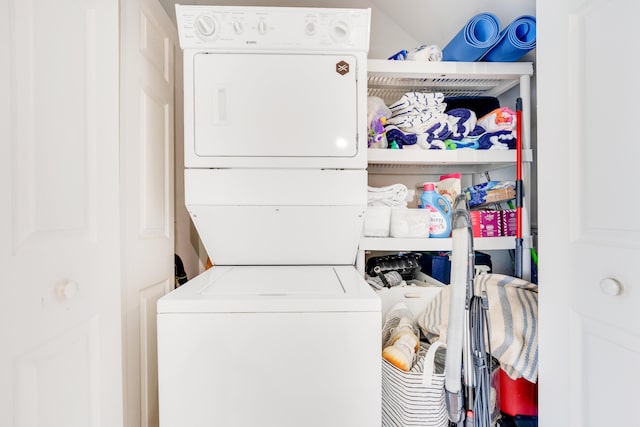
{"points": [[256, 106]]}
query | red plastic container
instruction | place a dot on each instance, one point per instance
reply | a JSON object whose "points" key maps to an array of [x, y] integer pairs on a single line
{"points": [[517, 397]]}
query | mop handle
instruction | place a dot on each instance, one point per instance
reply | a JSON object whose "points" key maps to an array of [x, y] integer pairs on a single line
{"points": [[519, 195]]}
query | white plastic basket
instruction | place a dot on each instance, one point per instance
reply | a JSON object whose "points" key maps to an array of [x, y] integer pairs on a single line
{"points": [[376, 221], [410, 223]]}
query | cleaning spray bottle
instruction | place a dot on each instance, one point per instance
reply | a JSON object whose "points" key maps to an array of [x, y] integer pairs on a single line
{"points": [[440, 211]]}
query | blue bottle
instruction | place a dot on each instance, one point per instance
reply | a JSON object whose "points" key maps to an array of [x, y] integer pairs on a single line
{"points": [[440, 208]]}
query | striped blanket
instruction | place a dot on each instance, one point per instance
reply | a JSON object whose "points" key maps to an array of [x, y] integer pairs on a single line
{"points": [[513, 322]]}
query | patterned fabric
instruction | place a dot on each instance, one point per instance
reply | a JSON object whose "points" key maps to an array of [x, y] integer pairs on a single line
{"points": [[513, 322], [408, 398]]}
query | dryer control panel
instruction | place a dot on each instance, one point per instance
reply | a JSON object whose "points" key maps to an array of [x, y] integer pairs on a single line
{"points": [[277, 28]]}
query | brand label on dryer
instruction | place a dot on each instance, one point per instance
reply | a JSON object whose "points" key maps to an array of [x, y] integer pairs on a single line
{"points": [[342, 68]]}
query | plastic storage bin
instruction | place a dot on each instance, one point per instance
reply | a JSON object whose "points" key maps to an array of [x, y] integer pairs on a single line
{"points": [[438, 264], [517, 397], [410, 223], [376, 221]]}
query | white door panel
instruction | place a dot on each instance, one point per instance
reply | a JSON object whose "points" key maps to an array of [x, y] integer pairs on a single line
{"points": [[60, 363], [148, 42], [589, 236], [71, 360], [612, 366]]}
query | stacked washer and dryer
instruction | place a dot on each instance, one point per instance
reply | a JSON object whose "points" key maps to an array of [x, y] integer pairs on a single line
{"points": [[282, 331]]}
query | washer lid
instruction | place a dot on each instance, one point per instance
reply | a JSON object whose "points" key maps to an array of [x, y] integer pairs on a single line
{"points": [[260, 289], [269, 281]]}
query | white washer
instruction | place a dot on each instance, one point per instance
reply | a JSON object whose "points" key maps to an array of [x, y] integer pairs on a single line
{"points": [[283, 331], [266, 346]]}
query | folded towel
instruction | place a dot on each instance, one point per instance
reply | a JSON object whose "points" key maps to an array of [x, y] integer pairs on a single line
{"points": [[462, 122], [499, 140], [502, 118], [422, 100], [421, 53], [425, 53], [421, 122], [437, 129], [427, 140], [471, 143], [391, 195], [395, 135], [513, 317], [421, 112]]}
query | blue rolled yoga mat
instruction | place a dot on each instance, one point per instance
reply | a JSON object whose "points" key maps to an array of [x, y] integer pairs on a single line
{"points": [[479, 34], [517, 39]]}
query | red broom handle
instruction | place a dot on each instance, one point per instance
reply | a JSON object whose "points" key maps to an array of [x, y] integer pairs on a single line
{"points": [[519, 168]]}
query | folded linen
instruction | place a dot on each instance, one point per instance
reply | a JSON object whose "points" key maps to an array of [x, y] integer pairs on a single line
{"points": [[513, 317], [426, 140], [437, 126], [499, 140], [422, 100], [421, 112], [394, 134], [502, 118], [437, 129], [431, 53], [471, 143], [390, 195], [462, 122]]}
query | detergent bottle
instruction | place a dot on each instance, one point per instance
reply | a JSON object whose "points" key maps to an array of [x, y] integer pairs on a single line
{"points": [[440, 211]]}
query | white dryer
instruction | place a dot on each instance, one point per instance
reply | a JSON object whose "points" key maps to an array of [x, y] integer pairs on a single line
{"points": [[282, 331]]}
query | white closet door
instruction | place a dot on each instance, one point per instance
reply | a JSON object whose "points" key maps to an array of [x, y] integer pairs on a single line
{"points": [[148, 45], [60, 363], [589, 243]]}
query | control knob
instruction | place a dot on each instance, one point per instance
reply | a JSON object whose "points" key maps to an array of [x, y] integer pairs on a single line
{"points": [[311, 28], [340, 31], [205, 25], [238, 27], [262, 28]]}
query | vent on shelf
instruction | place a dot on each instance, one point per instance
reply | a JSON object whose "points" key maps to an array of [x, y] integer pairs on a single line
{"points": [[390, 89]]}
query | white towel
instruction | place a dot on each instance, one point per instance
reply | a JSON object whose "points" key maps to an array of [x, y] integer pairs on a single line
{"points": [[499, 119], [432, 122], [513, 322], [425, 53], [391, 195], [421, 100]]}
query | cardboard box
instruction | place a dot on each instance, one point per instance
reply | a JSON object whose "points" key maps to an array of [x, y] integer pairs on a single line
{"points": [[486, 223], [509, 223]]}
